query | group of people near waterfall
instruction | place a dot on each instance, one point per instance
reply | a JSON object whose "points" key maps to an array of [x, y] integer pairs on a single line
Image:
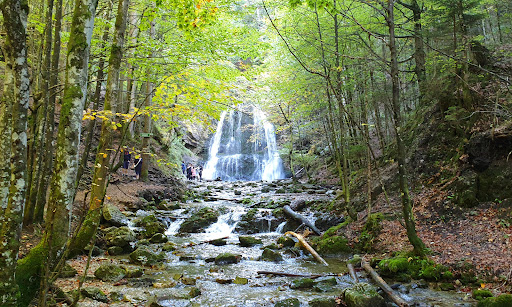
{"points": [[192, 172], [137, 163]]}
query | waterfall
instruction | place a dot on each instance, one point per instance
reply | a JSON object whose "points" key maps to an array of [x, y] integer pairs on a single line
{"points": [[244, 148]]}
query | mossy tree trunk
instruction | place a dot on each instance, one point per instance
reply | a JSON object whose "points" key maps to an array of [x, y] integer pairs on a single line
{"points": [[418, 245], [15, 105], [62, 184], [41, 121], [50, 117], [102, 164]]}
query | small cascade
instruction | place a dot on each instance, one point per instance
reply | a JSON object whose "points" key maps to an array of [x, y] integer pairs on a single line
{"points": [[244, 148], [225, 224]]}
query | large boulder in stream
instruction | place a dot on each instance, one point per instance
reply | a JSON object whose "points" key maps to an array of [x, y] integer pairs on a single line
{"points": [[151, 225], [227, 258], [199, 220], [145, 256], [113, 216], [119, 236], [271, 255], [248, 241], [110, 272], [363, 295]]}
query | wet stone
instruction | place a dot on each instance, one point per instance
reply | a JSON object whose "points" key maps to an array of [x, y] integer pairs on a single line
{"points": [[227, 258], [95, 294], [110, 272], [67, 271], [223, 281], [145, 256], [289, 302], [323, 302], [115, 250], [116, 296], [158, 238], [248, 241], [286, 241], [363, 295], [240, 281], [271, 255], [168, 247], [218, 242], [188, 281], [113, 216], [134, 272], [302, 283]]}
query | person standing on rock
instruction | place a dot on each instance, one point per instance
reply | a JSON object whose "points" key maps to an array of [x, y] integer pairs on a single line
{"points": [[200, 172], [127, 157], [193, 171], [183, 168], [189, 171], [137, 166]]}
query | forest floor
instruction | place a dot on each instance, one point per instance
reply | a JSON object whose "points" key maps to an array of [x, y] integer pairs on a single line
{"points": [[477, 239]]}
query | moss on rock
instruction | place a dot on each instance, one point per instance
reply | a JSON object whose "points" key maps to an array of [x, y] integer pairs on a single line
{"points": [[504, 300], [199, 220], [363, 295]]}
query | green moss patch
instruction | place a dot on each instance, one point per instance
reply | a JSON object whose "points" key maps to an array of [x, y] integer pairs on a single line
{"points": [[414, 267]]}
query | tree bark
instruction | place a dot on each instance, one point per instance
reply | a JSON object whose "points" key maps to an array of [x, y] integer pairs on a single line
{"points": [[16, 104], [383, 285], [301, 219], [66, 162], [102, 165]]}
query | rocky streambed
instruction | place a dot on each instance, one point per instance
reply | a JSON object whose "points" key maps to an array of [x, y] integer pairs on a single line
{"points": [[214, 247]]}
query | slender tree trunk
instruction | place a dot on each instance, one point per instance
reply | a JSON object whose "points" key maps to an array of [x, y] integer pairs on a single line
{"points": [[146, 156], [50, 117], [17, 101], [39, 136], [102, 164], [418, 245], [63, 181], [97, 97]]}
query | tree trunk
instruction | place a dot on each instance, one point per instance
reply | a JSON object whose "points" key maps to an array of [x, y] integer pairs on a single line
{"points": [[16, 103], [50, 117], [91, 125], [42, 125], [62, 190], [418, 245], [102, 165]]}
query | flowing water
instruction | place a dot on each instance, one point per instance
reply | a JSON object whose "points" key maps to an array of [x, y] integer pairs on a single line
{"points": [[244, 148], [193, 259]]}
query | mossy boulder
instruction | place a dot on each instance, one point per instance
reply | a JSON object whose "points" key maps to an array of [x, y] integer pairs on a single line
{"points": [[323, 302], [504, 300], [289, 302], [199, 220], [158, 238], [271, 255], [67, 271], [115, 250], [370, 232], [286, 241], [240, 281], [110, 272], [151, 225], [333, 245], [302, 283], [480, 294], [111, 215], [405, 268], [95, 294], [248, 241], [119, 236], [143, 255], [227, 258], [133, 272], [363, 295], [169, 247]]}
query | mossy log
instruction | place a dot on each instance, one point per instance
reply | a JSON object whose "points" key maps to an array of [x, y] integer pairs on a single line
{"points": [[383, 285], [301, 219], [303, 242]]}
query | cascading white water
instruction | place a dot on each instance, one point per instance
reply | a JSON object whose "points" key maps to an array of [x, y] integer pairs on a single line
{"points": [[244, 148]]}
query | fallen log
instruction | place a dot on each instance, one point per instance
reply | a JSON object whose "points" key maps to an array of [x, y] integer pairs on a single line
{"points": [[383, 285], [306, 245], [294, 215], [352, 272]]}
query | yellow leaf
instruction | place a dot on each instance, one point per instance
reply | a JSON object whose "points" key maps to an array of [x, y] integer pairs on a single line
{"points": [[482, 286], [104, 155]]}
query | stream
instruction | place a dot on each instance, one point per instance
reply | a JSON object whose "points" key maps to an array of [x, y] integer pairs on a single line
{"points": [[239, 284]]}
